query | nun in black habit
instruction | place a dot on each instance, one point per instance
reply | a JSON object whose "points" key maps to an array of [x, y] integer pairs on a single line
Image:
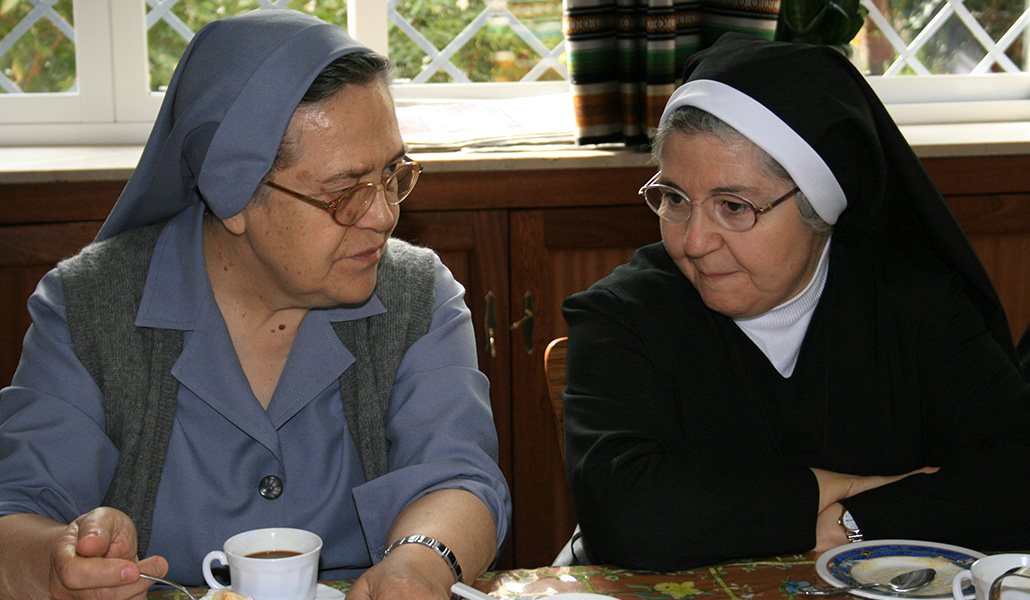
{"points": [[814, 353]]}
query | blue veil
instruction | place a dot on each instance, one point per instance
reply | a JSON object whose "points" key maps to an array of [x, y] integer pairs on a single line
{"points": [[225, 113]]}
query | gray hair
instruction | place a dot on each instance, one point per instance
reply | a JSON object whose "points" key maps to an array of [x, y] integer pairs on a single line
{"points": [[692, 120], [355, 68]]}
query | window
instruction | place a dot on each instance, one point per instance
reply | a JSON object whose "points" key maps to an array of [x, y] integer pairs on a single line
{"points": [[77, 74], [117, 55], [938, 61], [439, 41]]}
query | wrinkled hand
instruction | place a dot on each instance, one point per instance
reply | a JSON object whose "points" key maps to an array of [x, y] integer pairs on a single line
{"points": [[834, 487], [95, 559], [828, 531], [410, 572]]}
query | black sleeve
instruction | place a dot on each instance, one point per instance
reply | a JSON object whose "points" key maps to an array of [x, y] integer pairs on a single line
{"points": [[647, 492], [975, 411]]}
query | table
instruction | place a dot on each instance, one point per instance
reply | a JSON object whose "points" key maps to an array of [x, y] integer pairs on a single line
{"points": [[774, 578]]}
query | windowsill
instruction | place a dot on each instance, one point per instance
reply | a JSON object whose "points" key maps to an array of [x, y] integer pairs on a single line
{"points": [[104, 163]]}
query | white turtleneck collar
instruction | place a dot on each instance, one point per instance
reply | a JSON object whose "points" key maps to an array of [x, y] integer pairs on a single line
{"points": [[779, 332]]}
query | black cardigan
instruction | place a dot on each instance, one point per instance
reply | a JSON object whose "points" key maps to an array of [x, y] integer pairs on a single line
{"points": [[685, 446]]}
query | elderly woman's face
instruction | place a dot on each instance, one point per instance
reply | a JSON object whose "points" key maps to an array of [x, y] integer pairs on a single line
{"points": [[302, 253], [738, 274]]}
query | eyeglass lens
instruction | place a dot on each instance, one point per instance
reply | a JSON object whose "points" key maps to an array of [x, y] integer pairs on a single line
{"points": [[354, 203], [728, 211]]}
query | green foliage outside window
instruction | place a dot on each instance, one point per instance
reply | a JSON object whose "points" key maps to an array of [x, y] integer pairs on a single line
{"points": [[166, 45], [954, 50], [495, 53], [44, 59]]}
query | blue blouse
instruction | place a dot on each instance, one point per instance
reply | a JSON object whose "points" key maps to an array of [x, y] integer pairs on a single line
{"points": [[56, 460]]}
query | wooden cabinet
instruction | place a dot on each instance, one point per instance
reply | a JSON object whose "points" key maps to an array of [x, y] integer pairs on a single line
{"points": [[518, 239], [530, 258], [555, 253], [473, 245], [27, 252]]}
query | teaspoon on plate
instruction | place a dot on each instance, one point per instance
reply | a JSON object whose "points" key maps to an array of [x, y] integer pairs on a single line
{"points": [[905, 582], [166, 582]]}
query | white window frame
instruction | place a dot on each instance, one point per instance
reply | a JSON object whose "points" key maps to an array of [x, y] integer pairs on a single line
{"points": [[970, 98], [113, 104]]}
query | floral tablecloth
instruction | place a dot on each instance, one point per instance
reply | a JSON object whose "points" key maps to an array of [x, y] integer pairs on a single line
{"points": [[769, 579], [742, 580]]}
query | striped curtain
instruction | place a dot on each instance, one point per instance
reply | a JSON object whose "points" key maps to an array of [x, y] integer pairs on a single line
{"points": [[626, 57]]}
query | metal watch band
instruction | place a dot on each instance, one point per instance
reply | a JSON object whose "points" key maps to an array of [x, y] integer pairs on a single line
{"points": [[444, 552], [851, 528]]}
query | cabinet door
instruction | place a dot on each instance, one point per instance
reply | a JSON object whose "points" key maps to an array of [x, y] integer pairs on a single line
{"points": [[554, 253], [998, 227], [40, 224], [474, 246], [27, 252]]}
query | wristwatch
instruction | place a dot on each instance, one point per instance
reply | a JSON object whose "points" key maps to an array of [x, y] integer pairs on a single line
{"points": [[850, 527]]}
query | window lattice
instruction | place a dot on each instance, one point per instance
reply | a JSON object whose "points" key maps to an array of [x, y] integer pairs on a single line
{"points": [[528, 20], [37, 47], [452, 41], [938, 37], [471, 41]]}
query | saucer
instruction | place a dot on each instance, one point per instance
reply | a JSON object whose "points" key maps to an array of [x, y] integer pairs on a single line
{"points": [[322, 592], [876, 561]]}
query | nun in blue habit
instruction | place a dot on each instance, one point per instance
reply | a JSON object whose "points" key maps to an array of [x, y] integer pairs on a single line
{"points": [[245, 346]]}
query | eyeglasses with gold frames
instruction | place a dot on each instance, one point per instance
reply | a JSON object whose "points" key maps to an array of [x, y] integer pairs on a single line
{"points": [[729, 211], [352, 203]]}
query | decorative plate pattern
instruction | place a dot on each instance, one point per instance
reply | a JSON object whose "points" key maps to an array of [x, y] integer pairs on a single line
{"points": [[877, 561]]}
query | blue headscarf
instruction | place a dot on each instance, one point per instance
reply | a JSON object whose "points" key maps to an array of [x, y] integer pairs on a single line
{"points": [[225, 113]]}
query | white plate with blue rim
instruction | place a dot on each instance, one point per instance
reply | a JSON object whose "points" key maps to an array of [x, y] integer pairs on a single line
{"points": [[877, 561]]}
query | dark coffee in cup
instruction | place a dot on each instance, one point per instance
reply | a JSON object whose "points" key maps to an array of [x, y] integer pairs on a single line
{"points": [[273, 554], [294, 576]]}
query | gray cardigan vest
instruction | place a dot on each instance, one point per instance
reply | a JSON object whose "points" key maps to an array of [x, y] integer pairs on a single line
{"points": [[103, 287]]}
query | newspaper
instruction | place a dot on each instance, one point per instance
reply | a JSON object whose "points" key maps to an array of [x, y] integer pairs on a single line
{"points": [[534, 120]]}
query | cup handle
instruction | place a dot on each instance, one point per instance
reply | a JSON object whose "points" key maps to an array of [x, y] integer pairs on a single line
{"points": [[208, 577], [957, 585]]}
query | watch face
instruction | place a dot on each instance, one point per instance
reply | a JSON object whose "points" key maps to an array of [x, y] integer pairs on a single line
{"points": [[848, 521]]}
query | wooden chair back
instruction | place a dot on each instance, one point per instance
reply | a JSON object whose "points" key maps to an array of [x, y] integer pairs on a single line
{"points": [[554, 368]]}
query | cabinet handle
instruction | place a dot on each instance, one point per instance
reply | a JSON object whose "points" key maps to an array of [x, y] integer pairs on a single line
{"points": [[491, 325], [526, 322]]}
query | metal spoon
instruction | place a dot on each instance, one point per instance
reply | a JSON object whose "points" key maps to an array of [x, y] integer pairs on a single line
{"points": [[467, 591], [906, 582], [166, 582], [995, 591]]}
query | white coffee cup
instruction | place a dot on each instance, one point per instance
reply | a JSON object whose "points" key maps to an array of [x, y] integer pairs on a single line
{"points": [[277, 563], [984, 571]]}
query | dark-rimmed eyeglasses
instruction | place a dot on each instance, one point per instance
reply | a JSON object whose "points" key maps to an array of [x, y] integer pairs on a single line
{"points": [[729, 211], [352, 203]]}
